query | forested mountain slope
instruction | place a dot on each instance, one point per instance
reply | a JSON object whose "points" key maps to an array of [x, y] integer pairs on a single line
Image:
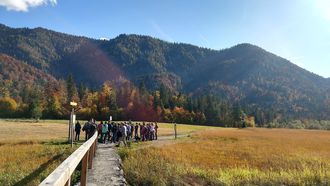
{"points": [[244, 74]]}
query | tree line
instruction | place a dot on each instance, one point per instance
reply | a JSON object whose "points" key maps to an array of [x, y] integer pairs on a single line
{"points": [[123, 101]]}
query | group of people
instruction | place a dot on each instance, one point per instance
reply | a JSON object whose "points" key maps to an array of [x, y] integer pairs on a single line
{"points": [[117, 132]]}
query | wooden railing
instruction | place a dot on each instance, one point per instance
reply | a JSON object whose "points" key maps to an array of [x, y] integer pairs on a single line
{"points": [[62, 174]]}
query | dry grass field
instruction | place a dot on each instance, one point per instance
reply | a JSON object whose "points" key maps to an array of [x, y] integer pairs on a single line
{"points": [[29, 151], [166, 129], [223, 156]]}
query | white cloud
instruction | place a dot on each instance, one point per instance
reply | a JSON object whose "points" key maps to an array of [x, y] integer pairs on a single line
{"points": [[24, 5]]}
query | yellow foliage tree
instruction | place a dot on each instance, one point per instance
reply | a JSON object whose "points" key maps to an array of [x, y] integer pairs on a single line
{"points": [[8, 107]]}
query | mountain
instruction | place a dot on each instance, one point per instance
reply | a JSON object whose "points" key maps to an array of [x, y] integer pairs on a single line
{"points": [[245, 73], [15, 75], [254, 76]]}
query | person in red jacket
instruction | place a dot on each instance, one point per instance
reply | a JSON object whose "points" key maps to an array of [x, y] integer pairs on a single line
{"points": [[99, 129]]}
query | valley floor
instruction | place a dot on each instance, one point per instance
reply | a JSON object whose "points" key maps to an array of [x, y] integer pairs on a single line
{"points": [[201, 155], [227, 156], [30, 150]]}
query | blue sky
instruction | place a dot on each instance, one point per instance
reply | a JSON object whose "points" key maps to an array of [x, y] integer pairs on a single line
{"points": [[298, 30]]}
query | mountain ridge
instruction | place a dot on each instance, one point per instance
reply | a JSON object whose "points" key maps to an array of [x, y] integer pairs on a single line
{"points": [[244, 73]]}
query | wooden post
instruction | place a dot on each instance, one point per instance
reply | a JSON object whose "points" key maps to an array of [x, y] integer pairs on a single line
{"points": [[90, 157], [68, 183], [69, 135], [83, 175], [95, 145], [175, 134], [72, 125]]}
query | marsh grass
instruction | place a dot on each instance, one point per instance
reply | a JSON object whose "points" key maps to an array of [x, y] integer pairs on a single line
{"points": [[29, 151], [234, 157]]}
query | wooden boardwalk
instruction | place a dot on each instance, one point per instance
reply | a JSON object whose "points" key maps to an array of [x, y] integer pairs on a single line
{"points": [[106, 167]]}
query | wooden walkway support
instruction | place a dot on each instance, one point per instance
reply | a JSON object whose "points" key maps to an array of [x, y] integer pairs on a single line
{"points": [[62, 174]]}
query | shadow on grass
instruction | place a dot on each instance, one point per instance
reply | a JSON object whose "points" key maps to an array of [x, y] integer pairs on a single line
{"points": [[38, 171], [54, 143], [61, 142]]}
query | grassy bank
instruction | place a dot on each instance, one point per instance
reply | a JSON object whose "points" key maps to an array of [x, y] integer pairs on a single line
{"points": [[29, 151], [219, 156]]}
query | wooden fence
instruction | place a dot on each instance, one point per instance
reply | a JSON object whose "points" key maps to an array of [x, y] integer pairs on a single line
{"points": [[62, 174]]}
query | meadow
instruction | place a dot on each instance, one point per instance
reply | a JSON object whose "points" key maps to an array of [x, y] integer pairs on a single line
{"points": [[227, 156], [30, 150]]}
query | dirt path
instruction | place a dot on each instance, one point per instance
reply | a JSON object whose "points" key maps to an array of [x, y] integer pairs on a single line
{"points": [[107, 163], [106, 167]]}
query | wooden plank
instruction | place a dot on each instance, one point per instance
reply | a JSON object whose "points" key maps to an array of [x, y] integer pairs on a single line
{"points": [[63, 172]]}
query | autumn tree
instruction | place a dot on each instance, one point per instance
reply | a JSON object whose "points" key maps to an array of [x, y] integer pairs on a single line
{"points": [[8, 107], [53, 106]]}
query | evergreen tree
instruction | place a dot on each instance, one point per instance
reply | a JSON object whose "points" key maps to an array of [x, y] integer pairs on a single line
{"points": [[53, 109], [157, 100], [237, 115], [82, 91], [71, 89], [212, 112], [35, 104], [164, 96], [142, 88]]}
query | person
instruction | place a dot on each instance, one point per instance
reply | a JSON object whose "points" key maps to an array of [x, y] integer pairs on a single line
{"points": [[136, 128], [141, 130], [156, 130], [86, 128], [123, 131], [93, 127], [99, 129], [128, 129], [152, 131], [109, 130], [132, 131], [147, 134], [104, 131], [114, 133], [77, 128]]}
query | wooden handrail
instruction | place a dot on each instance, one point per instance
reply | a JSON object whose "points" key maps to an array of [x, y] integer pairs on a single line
{"points": [[62, 174]]}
